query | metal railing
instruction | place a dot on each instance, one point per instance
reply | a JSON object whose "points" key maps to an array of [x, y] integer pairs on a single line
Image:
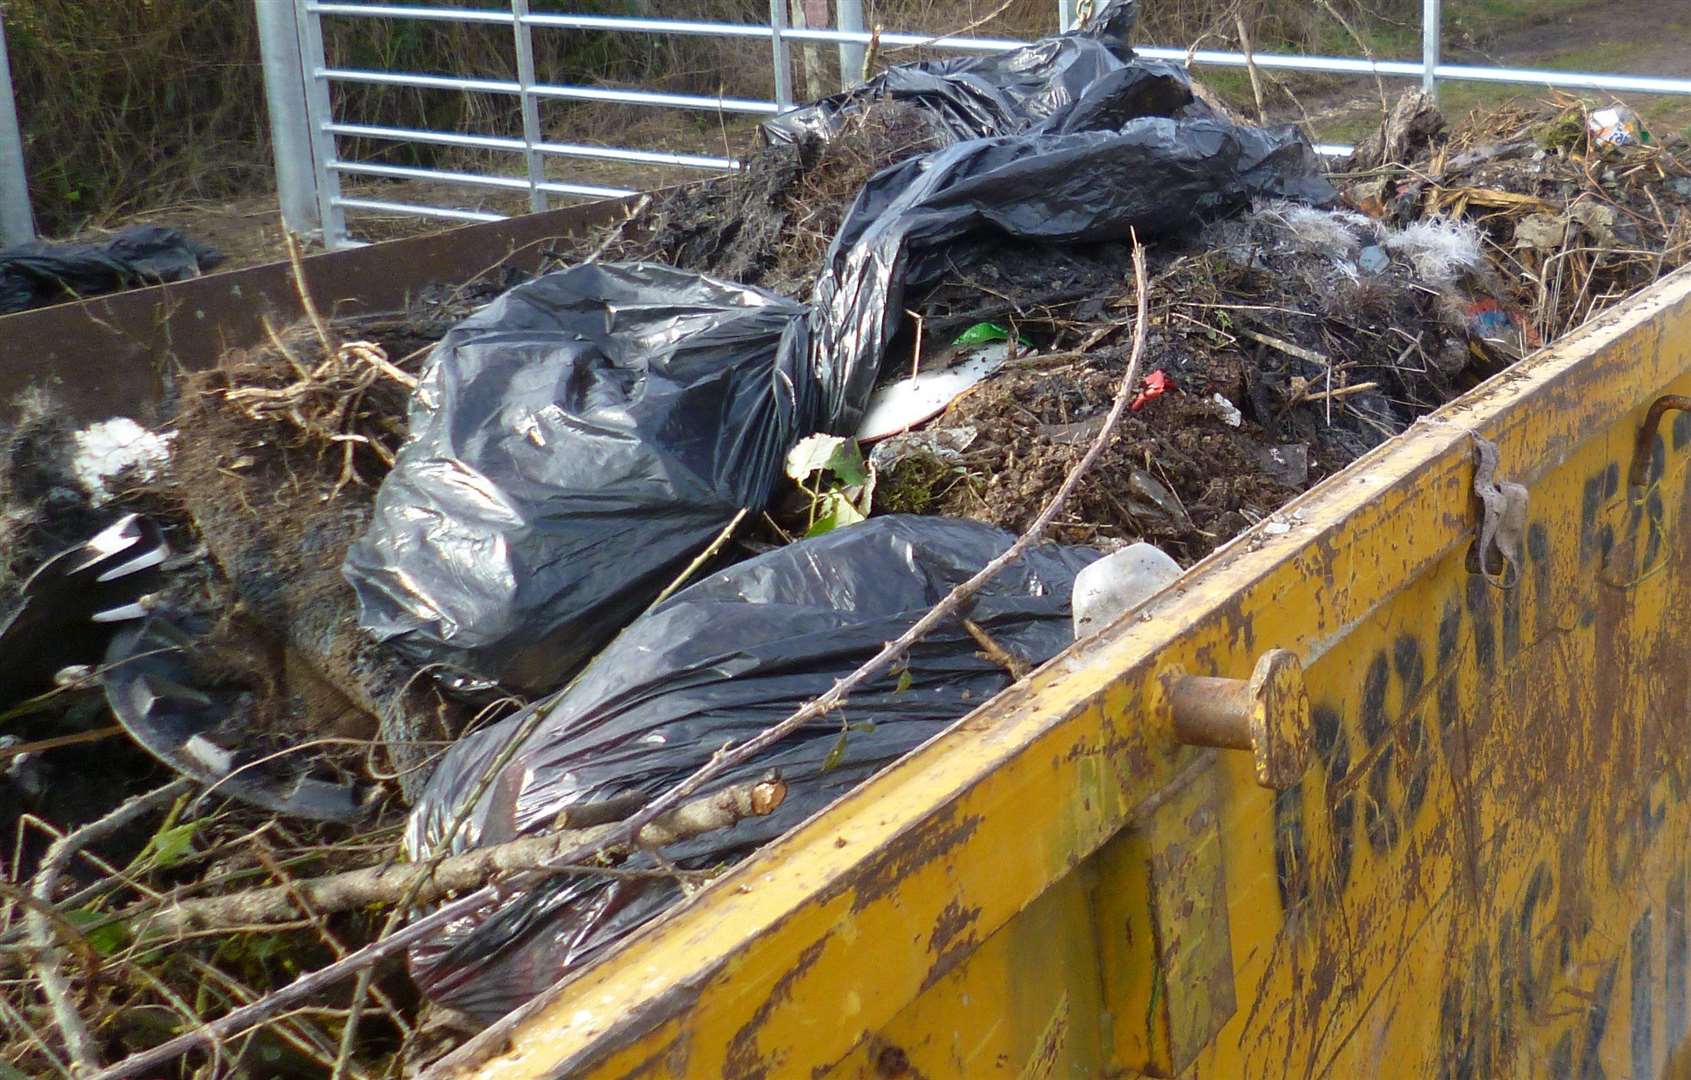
{"points": [[308, 135], [17, 224], [530, 89]]}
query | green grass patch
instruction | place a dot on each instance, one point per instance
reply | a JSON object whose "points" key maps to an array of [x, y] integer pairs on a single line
{"points": [[1482, 19]]}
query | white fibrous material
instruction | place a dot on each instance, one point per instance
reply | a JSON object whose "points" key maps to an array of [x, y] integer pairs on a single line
{"points": [[110, 447], [1334, 233], [1439, 249]]}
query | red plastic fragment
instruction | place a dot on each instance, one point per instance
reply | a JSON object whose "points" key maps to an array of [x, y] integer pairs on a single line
{"points": [[1156, 384]]}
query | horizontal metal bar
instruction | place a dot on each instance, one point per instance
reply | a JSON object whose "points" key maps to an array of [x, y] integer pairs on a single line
{"points": [[637, 157], [688, 27], [1337, 65], [617, 24], [407, 172], [1340, 65], [509, 183], [495, 142], [405, 11], [548, 90], [418, 211], [646, 97], [426, 82], [1638, 84], [423, 135], [1410, 69]]}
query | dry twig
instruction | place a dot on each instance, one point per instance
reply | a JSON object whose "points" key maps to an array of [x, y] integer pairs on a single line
{"points": [[49, 969]]}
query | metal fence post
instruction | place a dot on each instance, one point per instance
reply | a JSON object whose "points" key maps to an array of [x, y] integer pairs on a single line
{"points": [[319, 114], [1430, 40], [783, 55], [849, 18], [1068, 14], [290, 132], [17, 223], [531, 105]]}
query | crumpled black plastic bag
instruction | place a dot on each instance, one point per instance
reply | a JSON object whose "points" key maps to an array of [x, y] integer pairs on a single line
{"points": [[36, 274], [573, 446], [723, 659], [511, 562], [1055, 84], [1157, 175]]}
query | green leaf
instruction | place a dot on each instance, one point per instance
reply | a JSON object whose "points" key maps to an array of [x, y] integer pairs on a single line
{"points": [[836, 752], [985, 333], [982, 333], [170, 846], [104, 940], [812, 454], [847, 463], [834, 510], [903, 682]]}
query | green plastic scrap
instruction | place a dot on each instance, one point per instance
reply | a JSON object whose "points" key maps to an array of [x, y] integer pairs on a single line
{"points": [[984, 333]]}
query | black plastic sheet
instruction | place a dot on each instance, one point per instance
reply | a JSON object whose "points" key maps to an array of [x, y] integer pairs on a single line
{"points": [[205, 732], [724, 659], [1077, 81], [37, 274], [1156, 176], [573, 446], [68, 608]]}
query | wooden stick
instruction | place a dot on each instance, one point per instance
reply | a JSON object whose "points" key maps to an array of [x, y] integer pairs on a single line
{"points": [[705, 556], [1287, 347], [393, 883], [998, 654], [1341, 392], [61, 740]]}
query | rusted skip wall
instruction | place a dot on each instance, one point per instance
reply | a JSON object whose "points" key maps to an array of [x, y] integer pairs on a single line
{"points": [[118, 355]]}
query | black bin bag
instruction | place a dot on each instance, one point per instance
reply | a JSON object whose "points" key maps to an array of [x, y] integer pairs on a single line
{"points": [[37, 273], [1156, 175], [1080, 80], [573, 446], [721, 660]]}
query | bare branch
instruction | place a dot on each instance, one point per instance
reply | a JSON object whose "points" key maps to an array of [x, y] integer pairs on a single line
{"points": [[49, 966], [394, 883]]}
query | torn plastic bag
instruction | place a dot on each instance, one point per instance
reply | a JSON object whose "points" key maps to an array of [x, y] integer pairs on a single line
{"points": [[722, 660], [204, 733], [37, 273], [1156, 175], [573, 446], [67, 609], [1081, 80]]}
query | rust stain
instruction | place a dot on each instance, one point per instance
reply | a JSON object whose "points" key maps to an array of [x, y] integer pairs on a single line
{"points": [[744, 1060], [892, 1063], [953, 939], [1052, 1041], [922, 844]]}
